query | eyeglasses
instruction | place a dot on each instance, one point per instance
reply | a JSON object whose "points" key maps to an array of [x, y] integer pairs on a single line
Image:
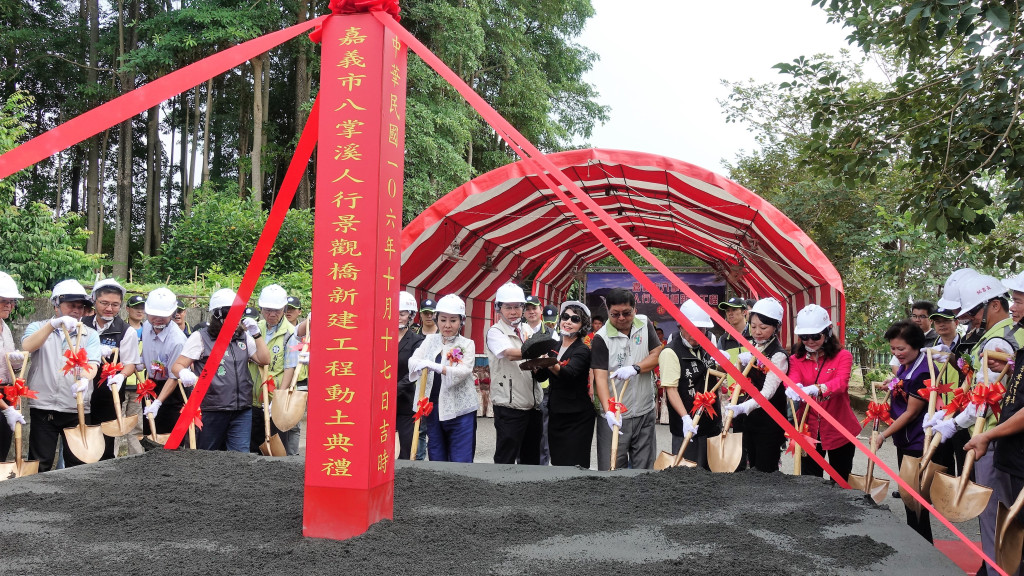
{"points": [[806, 337], [626, 314], [6, 303], [571, 317]]}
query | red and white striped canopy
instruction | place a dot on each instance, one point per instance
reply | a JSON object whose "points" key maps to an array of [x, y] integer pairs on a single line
{"points": [[506, 224]]}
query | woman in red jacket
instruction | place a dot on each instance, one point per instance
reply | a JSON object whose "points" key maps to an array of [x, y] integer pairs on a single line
{"points": [[822, 367]]}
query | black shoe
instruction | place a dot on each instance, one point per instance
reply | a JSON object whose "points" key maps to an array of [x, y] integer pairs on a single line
{"points": [[895, 493]]}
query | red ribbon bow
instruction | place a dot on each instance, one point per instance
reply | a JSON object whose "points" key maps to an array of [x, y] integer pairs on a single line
{"points": [[357, 6], [988, 396], [938, 388], [146, 389], [424, 409], [75, 360], [877, 411], [563, 363], [957, 403], [705, 401], [17, 390], [791, 449], [197, 420], [614, 406], [270, 384], [110, 370]]}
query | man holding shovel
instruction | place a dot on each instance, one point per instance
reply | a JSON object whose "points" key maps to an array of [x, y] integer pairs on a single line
{"points": [[625, 350], [114, 334], [55, 407], [8, 352], [162, 342], [276, 331]]}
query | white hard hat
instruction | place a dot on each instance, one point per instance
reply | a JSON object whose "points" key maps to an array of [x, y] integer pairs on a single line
{"points": [[68, 290], [694, 314], [452, 304], [975, 290], [577, 303], [1015, 283], [108, 283], [161, 302], [407, 302], [812, 319], [274, 297], [222, 298], [8, 289], [510, 293], [769, 308], [950, 299]]}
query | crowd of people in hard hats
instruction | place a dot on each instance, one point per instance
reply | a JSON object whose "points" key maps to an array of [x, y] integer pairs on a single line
{"points": [[90, 358]]}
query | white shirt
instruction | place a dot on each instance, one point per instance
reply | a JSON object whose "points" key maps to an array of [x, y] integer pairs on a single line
{"points": [[497, 342]]}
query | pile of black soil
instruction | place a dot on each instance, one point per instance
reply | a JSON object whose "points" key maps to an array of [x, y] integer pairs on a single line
{"points": [[196, 512]]}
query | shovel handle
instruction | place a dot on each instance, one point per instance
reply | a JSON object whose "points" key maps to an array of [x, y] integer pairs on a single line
{"points": [[420, 387], [734, 398]]}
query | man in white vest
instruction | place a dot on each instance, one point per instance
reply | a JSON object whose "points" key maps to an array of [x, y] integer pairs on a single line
{"points": [[514, 393], [626, 349]]}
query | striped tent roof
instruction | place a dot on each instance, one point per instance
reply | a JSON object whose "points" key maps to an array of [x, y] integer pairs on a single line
{"points": [[506, 224]]}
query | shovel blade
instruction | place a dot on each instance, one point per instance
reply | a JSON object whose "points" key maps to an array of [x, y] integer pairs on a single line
{"points": [[8, 470], [958, 507], [876, 489], [1009, 540], [910, 472], [273, 447], [115, 429], [664, 460], [87, 445], [288, 408], [28, 468], [725, 452]]}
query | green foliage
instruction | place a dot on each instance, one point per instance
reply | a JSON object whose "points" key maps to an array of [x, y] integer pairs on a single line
{"points": [[220, 236], [948, 115], [13, 128], [38, 250]]}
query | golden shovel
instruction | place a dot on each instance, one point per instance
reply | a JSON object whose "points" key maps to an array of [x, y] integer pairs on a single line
{"points": [[798, 450], [290, 403], [615, 429], [420, 389], [912, 468], [1009, 535], [868, 484], [959, 499], [272, 445], [85, 442], [669, 460], [726, 449], [153, 436], [192, 424], [121, 426], [19, 467]]}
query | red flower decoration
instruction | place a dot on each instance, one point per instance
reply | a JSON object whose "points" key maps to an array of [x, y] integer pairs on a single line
{"points": [[145, 390], [705, 401], [454, 356], [424, 409], [75, 360]]}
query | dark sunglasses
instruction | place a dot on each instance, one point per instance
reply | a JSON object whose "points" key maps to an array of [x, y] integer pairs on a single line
{"points": [[571, 317], [807, 337]]}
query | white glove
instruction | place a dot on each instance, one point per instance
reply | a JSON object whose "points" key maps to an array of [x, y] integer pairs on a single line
{"points": [[945, 428], [742, 407], [613, 420], [66, 322], [13, 417], [79, 386], [930, 421], [966, 418], [624, 373], [940, 353], [16, 356], [251, 326], [433, 367], [115, 380], [152, 409], [688, 426], [416, 364], [304, 358], [106, 350], [811, 390], [187, 377], [745, 358]]}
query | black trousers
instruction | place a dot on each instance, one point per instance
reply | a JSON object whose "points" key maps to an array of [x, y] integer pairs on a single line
{"points": [[6, 436], [259, 432], [763, 446], [405, 424], [47, 426], [570, 436], [840, 458], [517, 435], [923, 523]]}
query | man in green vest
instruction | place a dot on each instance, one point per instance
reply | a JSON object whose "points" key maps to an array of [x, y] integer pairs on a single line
{"points": [[277, 331]]}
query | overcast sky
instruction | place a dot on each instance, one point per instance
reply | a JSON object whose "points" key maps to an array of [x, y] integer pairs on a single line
{"points": [[662, 62]]}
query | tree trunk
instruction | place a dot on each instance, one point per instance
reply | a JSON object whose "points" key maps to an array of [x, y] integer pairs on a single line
{"points": [[170, 163], [257, 129], [76, 178], [186, 178], [243, 138], [152, 181], [302, 89], [206, 131], [195, 145], [123, 215], [93, 210]]}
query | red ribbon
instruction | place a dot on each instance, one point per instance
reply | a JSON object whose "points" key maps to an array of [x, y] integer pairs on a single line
{"points": [[16, 391], [957, 403], [146, 389], [197, 420], [705, 401], [877, 411], [269, 383], [78, 359], [938, 388], [357, 6], [563, 363], [424, 409], [614, 406], [791, 449], [110, 370], [988, 396]]}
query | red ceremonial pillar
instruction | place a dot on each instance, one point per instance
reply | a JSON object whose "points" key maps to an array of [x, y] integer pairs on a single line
{"points": [[350, 434]]}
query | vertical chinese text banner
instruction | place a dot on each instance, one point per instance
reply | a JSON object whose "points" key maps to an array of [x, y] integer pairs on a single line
{"points": [[349, 480]]}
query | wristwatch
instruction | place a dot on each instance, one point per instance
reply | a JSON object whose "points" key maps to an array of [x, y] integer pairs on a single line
{"points": [[637, 368]]}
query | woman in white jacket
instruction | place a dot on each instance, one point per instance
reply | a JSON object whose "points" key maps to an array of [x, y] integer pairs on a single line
{"points": [[452, 397]]}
